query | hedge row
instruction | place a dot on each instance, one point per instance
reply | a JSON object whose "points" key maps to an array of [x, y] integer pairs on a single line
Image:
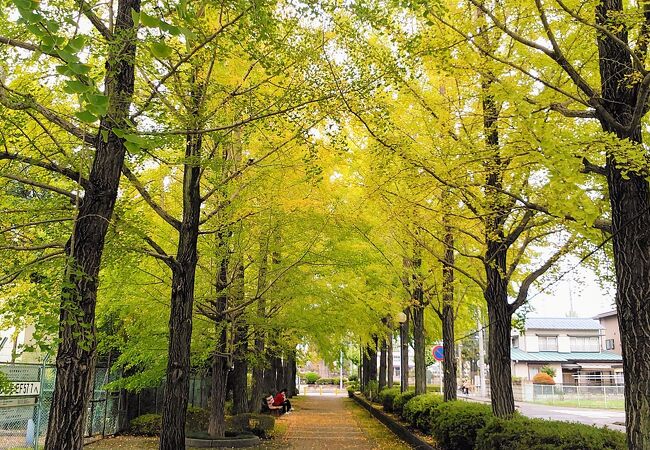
{"points": [[462, 425]]}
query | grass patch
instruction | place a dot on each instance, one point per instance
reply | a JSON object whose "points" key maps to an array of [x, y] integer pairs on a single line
{"points": [[382, 436]]}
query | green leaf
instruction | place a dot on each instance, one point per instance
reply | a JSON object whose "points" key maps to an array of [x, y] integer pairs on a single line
{"points": [[136, 139], [132, 147], [135, 15], [160, 50], [104, 134], [76, 87], [149, 21], [65, 70], [79, 68], [86, 116], [77, 43], [67, 56]]}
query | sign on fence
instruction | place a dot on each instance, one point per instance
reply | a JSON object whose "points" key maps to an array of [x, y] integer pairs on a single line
{"points": [[21, 389]]}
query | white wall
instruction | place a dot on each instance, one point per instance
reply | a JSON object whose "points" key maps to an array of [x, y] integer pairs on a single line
{"points": [[563, 343], [532, 344]]}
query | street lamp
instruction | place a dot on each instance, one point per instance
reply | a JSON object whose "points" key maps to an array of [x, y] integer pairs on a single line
{"points": [[401, 317]]}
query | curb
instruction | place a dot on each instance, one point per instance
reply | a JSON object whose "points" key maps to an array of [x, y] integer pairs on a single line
{"points": [[223, 443], [398, 429]]}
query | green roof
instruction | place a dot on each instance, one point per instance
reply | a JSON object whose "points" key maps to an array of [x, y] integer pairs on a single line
{"points": [[571, 357]]}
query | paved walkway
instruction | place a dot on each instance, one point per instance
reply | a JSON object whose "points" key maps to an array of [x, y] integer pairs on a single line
{"points": [[329, 422]]}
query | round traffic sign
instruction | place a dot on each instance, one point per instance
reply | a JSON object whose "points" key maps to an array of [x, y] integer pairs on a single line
{"points": [[438, 352]]}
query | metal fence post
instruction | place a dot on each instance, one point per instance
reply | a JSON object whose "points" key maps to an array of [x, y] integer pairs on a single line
{"points": [[39, 405]]}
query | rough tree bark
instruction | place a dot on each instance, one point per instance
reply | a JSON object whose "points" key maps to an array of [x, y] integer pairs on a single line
{"points": [[382, 365], [450, 387], [629, 195], [404, 352], [418, 349], [76, 353], [217, 424], [183, 267], [389, 366], [258, 386], [495, 259], [372, 360]]}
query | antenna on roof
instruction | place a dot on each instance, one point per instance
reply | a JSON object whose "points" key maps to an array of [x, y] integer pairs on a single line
{"points": [[571, 312]]}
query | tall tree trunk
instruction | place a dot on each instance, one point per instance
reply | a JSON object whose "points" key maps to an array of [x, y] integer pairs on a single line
{"points": [[495, 264], [382, 365], [365, 368], [240, 371], [404, 352], [175, 400], [629, 195], [258, 385], [448, 340], [217, 424], [389, 367], [293, 364], [75, 359], [419, 350], [372, 360]]}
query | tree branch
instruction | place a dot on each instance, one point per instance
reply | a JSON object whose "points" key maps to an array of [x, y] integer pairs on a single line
{"points": [[522, 295], [69, 173], [38, 184], [150, 201]]}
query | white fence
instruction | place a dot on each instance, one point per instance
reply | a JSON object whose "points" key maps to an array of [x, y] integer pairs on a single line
{"points": [[584, 396]]}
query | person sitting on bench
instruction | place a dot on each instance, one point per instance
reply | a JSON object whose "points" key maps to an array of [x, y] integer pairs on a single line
{"points": [[268, 407], [281, 401]]}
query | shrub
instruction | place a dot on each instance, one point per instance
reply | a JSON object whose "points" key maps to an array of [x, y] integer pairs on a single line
{"points": [[353, 377], [386, 397], [400, 400], [146, 425], [522, 433], [311, 377], [259, 424], [420, 409], [455, 424], [352, 388], [543, 378], [548, 370], [371, 391], [197, 419]]}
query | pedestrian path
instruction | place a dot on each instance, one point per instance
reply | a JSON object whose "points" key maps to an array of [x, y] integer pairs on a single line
{"points": [[329, 422]]}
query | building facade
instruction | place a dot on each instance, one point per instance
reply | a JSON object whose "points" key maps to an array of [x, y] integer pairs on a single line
{"points": [[611, 336], [572, 347]]}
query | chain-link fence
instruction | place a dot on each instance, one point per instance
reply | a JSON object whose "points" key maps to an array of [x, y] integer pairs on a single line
{"points": [[25, 408]]}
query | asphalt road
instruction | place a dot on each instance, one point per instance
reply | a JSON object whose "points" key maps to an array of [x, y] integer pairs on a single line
{"points": [[598, 417]]}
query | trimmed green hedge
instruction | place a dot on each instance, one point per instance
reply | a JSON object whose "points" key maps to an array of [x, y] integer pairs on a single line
{"points": [[387, 396], [400, 400], [456, 424], [146, 425], [522, 433], [420, 409]]}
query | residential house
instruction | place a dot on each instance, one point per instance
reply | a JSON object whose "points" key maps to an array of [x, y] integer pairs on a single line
{"points": [[571, 346], [611, 337]]}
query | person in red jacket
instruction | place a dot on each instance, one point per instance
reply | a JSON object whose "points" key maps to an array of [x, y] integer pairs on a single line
{"points": [[280, 399]]}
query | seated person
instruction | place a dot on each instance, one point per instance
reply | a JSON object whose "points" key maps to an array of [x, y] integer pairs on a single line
{"points": [[268, 406], [281, 401]]}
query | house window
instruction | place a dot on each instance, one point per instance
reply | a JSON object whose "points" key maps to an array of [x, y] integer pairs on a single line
{"points": [[585, 344], [515, 341], [532, 371], [609, 344], [547, 343]]}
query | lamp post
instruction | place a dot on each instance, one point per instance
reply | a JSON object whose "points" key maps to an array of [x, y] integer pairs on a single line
{"points": [[402, 318]]}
